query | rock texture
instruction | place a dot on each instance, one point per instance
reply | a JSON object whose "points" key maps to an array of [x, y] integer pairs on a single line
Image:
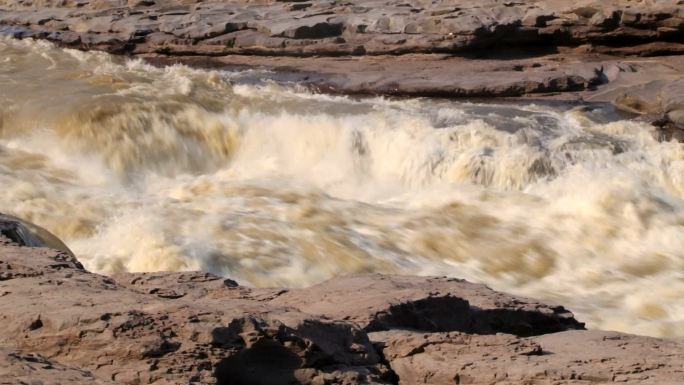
{"points": [[352, 27], [62, 324], [377, 302], [21, 368], [200, 329], [571, 357]]}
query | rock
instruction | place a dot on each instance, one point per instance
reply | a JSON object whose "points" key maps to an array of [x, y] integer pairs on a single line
{"points": [[422, 75], [27, 368], [659, 98], [487, 24], [273, 352], [131, 330], [444, 48], [314, 27], [28, 234], [63, 324], [571, 357], [377, 302]]}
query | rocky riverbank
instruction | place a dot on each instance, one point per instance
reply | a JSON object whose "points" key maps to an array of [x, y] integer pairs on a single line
{"points": [[355, 27], [625, 52], [63, 324]]}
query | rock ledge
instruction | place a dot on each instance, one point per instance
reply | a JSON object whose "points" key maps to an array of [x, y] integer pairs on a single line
{"points": [[64, 324]]}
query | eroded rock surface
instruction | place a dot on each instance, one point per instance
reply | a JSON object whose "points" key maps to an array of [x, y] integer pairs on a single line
{"points": [[570, 357], [197, 329], [323, 27], [22, 368], [63, 324], [377, 302]]}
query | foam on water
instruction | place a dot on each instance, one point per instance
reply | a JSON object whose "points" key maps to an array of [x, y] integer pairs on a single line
{"points": [[138, 168]]}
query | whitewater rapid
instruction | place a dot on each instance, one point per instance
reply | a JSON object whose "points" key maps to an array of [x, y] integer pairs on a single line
{"points": [[139, 168]]}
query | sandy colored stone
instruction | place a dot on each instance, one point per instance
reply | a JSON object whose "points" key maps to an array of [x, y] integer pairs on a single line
{"points": [[26, 368], [61, 324], [571, 357], [379, 302], [192, 328], [320, 27]]}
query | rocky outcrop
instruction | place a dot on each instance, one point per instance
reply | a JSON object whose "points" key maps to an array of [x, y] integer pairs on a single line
{"points": [[662, 98], [571, 357], [28, 234], [377, 302], [305, 28], [197, 328], [653, 88], [61, 323]]}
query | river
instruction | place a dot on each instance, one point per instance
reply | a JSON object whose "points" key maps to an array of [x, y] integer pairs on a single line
{"points": [[138, 168]]}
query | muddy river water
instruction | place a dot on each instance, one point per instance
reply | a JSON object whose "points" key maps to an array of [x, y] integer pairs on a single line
{"points": [[140, 168]]}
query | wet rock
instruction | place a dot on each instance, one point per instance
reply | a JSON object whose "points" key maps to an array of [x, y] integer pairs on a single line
{"points": [[28, 234], [667, 130], [661, 101], [296, 350]]}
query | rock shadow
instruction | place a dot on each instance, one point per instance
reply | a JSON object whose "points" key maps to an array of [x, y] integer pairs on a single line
{"points": [[267, 362], [448, 313]]}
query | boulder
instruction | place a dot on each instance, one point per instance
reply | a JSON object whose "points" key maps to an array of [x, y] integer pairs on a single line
{"points": [[169, 327]]}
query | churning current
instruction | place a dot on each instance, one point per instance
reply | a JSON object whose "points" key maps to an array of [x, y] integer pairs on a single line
{"points": [[139, 168]]}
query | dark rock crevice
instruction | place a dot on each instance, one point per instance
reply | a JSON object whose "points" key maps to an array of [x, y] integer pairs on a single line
{"points": [[445, 314], [269, 352], [267, 362]]}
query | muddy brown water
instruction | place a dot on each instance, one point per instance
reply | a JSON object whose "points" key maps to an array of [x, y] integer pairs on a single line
{"points": [[140, 168]]}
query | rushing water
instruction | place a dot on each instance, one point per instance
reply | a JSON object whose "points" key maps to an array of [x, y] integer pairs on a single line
{"points": [[139, 169]]}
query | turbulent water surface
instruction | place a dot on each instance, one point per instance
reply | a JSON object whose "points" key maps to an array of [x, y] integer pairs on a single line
{"points": [[139, 169]]}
